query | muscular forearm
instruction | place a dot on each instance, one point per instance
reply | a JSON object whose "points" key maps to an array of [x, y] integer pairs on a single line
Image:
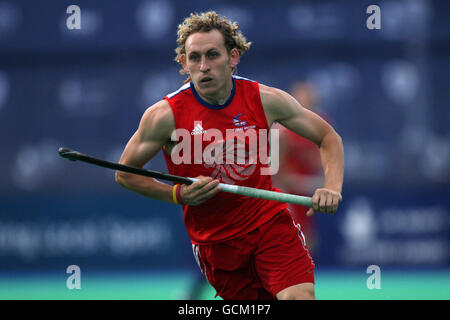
{"points": [[332, 156], [145, 186]]}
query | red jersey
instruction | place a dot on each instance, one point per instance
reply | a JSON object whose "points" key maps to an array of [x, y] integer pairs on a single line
{"points": [[225, 215]]}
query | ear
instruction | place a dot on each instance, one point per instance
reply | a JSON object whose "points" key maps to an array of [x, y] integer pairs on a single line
{"points": [[234, 57], [183, 61]]}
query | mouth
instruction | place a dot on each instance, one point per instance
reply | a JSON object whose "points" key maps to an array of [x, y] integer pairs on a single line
{"points": [[206, 80]]}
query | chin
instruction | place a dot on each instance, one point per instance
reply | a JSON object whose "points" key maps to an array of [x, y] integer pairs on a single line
{"points": [[207, 88]]}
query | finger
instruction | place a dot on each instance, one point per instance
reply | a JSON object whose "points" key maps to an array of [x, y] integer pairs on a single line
{"points": [[207, 195], [315, 201], [310, 212], [336, 199], [209, 186], [197, 194], [200, 182], [323, 203], [336, 203], [329, 204], [335, 206]]}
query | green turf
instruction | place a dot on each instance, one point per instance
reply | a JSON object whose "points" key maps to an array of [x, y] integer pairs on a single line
{"points": [[108, 287], [395, 285], [330, 285]]}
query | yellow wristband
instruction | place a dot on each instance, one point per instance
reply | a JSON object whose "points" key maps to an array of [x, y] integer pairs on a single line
{"points": [[174, 194]]}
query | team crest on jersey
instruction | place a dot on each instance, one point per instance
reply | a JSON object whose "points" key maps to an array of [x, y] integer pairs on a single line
{"points": [[239, 123]]}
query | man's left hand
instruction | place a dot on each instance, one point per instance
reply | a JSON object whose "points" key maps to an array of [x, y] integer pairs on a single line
{"points": [[325, 200]]}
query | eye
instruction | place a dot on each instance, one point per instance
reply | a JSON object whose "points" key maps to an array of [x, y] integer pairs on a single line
{"points": [[213, 54], [194, 57]]}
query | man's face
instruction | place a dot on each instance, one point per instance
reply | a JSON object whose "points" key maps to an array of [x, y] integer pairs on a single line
{"points": [[208, 62]]}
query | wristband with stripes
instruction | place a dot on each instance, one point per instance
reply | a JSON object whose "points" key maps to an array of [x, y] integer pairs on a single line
{"points": [[176, 194]]}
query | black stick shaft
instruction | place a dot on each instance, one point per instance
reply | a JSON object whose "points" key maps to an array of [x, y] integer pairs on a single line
{"points": [[75, 155]]}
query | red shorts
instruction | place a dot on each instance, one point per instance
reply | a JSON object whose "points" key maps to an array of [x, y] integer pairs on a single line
{"points": [[260, 263]]}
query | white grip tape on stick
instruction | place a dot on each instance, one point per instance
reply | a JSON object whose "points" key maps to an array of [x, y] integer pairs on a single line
{"points": [[264, 194]]}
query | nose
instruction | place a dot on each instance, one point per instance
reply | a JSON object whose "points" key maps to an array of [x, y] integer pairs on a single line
{"points": [[203, 65]]}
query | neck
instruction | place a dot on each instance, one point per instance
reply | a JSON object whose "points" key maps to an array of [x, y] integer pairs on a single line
{"points": [[220, 96]]}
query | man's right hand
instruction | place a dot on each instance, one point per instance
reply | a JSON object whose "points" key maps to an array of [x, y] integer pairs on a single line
{"points": [[199, 191]]}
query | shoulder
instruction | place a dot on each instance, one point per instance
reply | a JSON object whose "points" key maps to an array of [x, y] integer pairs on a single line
{"points": [[243, 79], [176, 93], [158, 120], [159, 111], [272, 96], [246, 85], [277, 103]]}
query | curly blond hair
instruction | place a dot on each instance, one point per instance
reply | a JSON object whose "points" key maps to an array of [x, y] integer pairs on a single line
{"points": [[205, 22]]}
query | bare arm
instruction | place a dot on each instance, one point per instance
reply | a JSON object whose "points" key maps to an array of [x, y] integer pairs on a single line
{"points": [[281, 107], [153, 132], [155, 129]]}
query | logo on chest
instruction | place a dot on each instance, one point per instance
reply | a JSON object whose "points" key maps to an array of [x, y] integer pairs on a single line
{"points": [[239, 123], [198, 129]]}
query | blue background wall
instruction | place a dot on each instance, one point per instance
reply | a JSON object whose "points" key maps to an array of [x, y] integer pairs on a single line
{"points": [[387, 93]]}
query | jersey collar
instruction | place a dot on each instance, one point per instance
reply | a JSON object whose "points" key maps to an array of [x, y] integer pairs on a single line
{"points": [[213, 106]]}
